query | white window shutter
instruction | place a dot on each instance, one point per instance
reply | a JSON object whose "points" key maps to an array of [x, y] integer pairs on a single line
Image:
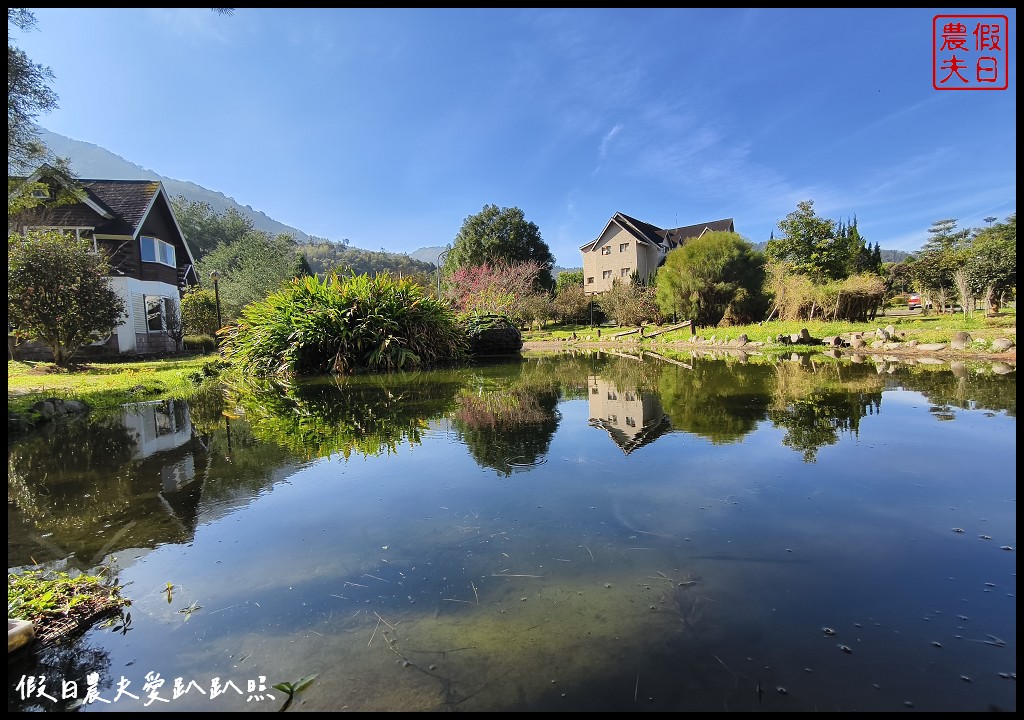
{"points": [[139, 312]]}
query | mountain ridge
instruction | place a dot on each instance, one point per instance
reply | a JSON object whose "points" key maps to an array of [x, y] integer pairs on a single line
{"points": [[92, 161]]}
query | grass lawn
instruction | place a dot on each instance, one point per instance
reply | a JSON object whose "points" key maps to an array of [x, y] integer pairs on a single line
{"points": [[106, 385]]}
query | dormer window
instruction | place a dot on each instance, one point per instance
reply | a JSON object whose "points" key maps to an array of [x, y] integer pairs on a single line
{"points": [[157, 251], [41, 193]]}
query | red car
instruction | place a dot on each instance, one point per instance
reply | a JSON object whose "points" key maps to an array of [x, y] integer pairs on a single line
{"points": [[914, 302]]}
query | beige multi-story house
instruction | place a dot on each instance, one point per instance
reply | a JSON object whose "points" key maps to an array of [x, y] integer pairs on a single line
{"points": [[627, 246]]}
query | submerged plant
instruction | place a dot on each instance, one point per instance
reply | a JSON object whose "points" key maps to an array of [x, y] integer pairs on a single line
{"points": [[187, 611], [292, 688]]}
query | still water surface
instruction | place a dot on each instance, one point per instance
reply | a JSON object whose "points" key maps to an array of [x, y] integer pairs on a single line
{"points": [[565, 533]]}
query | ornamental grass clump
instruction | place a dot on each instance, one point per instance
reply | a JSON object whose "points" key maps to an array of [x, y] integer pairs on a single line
{"points": [[316, 326]]}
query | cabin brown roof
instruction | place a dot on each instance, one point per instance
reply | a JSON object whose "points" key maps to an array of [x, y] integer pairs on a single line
{"points": [[125, 200], [112, 207]]}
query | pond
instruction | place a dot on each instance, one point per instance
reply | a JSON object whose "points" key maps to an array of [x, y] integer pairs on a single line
{"points": [[565, 532]]}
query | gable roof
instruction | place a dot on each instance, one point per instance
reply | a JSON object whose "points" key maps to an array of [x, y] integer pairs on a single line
{"points": [[112, 207], [677, 236], [653, 235], [644, 232], [647, 434]]}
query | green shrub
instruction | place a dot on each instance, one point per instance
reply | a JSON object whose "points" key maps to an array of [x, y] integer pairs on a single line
{"points": [[199, 344], [199, 311], [318, 326]]}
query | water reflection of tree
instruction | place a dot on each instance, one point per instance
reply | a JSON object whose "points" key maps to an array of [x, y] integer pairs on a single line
{"points": [[718, 400], [629, 371], [503, 428], [506, 413], [78, 490], [814, 407], [962, 386], [568, 372], [367, 415], [814, 399], [723, 400]]}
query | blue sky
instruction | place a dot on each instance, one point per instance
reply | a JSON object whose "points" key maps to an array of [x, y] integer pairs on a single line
{"points": [[388, 127]]}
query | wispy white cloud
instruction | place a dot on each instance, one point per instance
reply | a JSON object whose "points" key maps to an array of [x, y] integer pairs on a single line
{"points": [[680, 149], [607, 139]]}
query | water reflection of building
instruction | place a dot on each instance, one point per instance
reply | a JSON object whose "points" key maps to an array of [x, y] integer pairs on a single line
{"points": [[631, 418], [159, 427], [84, 490]]}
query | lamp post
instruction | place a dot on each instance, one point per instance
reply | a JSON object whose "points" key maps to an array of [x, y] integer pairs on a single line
{"points": [[440, 258], [215, 276]]}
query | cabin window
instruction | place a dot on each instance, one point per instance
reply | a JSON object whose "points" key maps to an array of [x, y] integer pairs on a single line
{"points": [[155, 250], [158, 309]]}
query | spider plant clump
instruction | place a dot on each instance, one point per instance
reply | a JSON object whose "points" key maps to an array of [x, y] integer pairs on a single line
{"points": [[315, 326]]}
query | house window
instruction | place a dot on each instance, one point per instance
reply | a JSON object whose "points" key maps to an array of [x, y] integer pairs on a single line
{"points": [[157, 251], [590, 280], [612, 395], [165, 420], [623, 246], [41, 193], [624, 272], [631, 422], [158, 309], [593, 391], [606, 275], [606, 250]]}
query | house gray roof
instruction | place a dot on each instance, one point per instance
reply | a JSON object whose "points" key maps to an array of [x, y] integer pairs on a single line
{"points": [[650, 432], [672, 238], [643, 231], [677, 236]]}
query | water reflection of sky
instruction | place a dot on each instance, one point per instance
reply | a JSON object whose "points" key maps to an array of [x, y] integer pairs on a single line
{"points": [[681, 575]]}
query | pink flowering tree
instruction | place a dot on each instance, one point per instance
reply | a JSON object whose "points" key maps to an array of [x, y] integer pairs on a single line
{"points": [[58, 292], [495, 288]]}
